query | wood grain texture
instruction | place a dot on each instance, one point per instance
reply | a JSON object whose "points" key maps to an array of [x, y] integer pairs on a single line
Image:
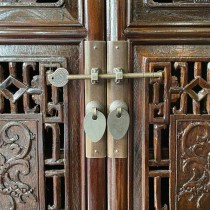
{"points": [[96, 184], [67, 12], [147, 13], [95, 168], [154, 171], [119, 169], [117, 183], [115, 20], [95, 19], [96, 151], [173, 37], [62, 162], [117, 165], [62, 156], [178, 22]]}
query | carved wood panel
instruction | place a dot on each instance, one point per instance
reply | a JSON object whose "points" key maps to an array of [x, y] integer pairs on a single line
{"points": [[167, 13], [36, 12], [21, 162], [25, 92], [190, 160], [171, 137]]}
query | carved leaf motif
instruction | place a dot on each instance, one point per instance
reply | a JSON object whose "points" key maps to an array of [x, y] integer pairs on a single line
{"points": [[10, 183], [196, 158]]}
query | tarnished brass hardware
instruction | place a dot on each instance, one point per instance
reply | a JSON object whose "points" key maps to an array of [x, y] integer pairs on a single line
{"points": [[113, 76], [118, 104], [56, 77], [59, 78], [94, 122], [95, 97], [118, 75], [93, 106], [118, 119], [119, 112], [94, 117], [118, 98], [94, 75]]}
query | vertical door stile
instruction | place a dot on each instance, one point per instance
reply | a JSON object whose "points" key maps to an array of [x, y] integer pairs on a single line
{"points": [[117, 168], [117, 149], [95, 167], [95, 94]]}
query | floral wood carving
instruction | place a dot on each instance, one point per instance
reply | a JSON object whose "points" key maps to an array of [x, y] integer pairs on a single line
{"points": [[195, 163], [12, 168]]}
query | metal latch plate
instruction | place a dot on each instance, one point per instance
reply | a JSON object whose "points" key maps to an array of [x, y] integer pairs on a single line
{"points": [[95, 60], [117, 59]]}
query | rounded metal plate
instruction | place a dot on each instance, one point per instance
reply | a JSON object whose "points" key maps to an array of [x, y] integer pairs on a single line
{"points": [[118, 126], [59, 78], [95, 128]]}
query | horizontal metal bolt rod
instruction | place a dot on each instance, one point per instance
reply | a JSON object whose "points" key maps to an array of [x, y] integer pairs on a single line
{"points": [[113, 76], [61, 76], [78, 76]]}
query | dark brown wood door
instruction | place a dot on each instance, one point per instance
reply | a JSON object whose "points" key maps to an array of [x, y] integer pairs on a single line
{"points": [[168, 164], [41, 136], [43, 164]]}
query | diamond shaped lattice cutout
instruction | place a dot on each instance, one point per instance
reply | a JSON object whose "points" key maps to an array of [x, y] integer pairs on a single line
{"points": [[12, 84], [197, 89]]}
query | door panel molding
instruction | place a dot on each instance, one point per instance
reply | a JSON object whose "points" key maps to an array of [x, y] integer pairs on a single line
{"points": [[33, 12], [164, 13]]}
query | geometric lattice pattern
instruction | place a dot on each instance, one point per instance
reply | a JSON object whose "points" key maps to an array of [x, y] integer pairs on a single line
{"points": [[205, 89], [22, 88]]}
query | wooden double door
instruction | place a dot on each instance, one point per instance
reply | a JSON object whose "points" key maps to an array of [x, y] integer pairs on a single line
{"points": [[43, 163]]}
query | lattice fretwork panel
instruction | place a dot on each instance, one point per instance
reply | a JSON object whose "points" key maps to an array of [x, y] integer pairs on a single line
{"points": [[25, 90], [173, 173], [183, 90]]}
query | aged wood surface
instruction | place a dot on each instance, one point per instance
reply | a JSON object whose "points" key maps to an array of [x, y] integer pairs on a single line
{"points": [[177, 121], [168, 160], [119, 194], [21, 169], [95, 167], [66, 12], [143, 13], [190, 162], [25, 89], [117, 163]]}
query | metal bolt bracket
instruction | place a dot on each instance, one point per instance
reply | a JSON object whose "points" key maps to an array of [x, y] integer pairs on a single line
{"points": [[119, 75], [94, 75]]}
